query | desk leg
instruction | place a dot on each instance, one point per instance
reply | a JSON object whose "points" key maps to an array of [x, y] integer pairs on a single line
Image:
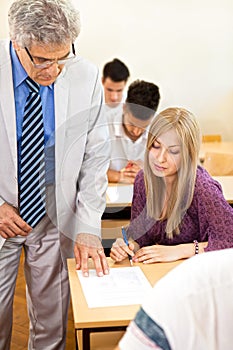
{"points": [[82, 339], [79, 339], [86, 339]]}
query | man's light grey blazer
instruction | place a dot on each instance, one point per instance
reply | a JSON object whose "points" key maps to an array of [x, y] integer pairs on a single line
{"points": [[81, 146]]}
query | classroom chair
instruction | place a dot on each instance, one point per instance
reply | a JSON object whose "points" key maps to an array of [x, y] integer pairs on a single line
{"points": [[218, 164], [211, 138]]}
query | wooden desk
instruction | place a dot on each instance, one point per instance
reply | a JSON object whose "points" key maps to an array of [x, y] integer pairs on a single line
{"points": [[127, 194], [88, 320], [119, 195], [227, 186], [218, 147]]}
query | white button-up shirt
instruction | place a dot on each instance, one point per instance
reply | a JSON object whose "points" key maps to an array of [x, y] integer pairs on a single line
{"points": [[123, 148]]}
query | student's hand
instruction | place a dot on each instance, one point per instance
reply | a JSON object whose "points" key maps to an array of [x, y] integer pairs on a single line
{"points": [[116, 176], [11, 224], [161, 253], [120, 250], [129, 172], [135, 164], [126, 177], [88, 245]]}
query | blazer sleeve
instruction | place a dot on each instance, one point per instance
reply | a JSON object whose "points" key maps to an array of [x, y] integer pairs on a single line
{"points": [[92, 181]]}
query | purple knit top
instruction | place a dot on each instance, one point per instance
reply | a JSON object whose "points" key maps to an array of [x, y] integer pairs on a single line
{"points": [[209, 217]]}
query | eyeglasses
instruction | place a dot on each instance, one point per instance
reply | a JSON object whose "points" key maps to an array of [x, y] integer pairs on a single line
{"points": [[47, 63]]}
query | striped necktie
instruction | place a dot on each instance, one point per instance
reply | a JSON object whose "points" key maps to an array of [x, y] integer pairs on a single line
{"points": [[32, 165]]}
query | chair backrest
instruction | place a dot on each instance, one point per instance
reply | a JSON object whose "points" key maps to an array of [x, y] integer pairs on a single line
{"points": [[211, 138], [218, 164]]}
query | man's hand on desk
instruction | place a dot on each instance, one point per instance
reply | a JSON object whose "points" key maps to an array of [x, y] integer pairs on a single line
{"points": [[88, 245], [11, 224]]}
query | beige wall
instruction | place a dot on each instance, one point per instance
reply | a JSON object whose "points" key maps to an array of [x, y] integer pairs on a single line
{"points": [[184, 46]]}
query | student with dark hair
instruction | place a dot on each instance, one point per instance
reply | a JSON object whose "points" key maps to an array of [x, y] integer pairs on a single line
{"points": [[128, 131], [115, 76]]}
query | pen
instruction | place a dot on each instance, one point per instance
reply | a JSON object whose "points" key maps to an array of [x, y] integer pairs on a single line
{"points": [[126, 242]]}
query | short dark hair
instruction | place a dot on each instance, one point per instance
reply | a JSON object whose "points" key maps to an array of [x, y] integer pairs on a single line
{"points": [[116, 70], [142, 99]]}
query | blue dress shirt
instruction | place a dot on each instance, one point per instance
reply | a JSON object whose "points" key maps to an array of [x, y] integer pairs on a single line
{"points": [[21, 92]]}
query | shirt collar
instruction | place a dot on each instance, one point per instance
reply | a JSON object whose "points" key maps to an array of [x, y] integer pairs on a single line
{"points": [[19, 73]]}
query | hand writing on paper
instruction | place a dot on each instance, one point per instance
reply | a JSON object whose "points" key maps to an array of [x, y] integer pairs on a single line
{"points": [[88, 245], [11, 224], [120, 250]]}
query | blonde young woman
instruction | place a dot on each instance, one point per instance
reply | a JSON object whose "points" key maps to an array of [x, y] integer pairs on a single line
{"points": [[178, 209]]}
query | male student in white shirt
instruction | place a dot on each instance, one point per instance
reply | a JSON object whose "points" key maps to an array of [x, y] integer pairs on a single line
{"points": [[128, 131], [114, 80]]}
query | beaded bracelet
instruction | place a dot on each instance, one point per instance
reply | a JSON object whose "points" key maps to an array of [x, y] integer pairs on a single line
{"points": [[196, 246]]}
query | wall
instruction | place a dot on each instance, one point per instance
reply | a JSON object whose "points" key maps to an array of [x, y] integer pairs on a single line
{"points": [[184, 46]]}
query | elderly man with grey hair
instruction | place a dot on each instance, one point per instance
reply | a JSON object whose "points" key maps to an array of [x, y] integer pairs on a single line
{"points": [[54, 157]]}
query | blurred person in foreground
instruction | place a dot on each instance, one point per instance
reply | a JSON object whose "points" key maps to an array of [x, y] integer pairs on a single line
{"points": [[189, 308]]}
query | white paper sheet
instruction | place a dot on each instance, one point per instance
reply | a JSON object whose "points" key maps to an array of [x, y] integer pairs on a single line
{"points": [[123, 286], [119, 194]]}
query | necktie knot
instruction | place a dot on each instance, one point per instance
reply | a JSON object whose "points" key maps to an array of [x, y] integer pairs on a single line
{"points": [[32, 85]]}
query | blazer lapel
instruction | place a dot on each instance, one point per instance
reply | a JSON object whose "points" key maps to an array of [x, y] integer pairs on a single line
{"points": [[7, 106]]}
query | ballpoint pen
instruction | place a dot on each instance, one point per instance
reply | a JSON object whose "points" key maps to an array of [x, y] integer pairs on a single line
{"points": [[126, 242]]}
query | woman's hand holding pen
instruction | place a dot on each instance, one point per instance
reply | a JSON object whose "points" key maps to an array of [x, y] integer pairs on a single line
{"points": [[147, 255], [154, 253], [120, 250]]}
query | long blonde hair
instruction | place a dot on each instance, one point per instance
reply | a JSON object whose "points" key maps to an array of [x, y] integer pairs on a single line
{"points": [[188, 132]]}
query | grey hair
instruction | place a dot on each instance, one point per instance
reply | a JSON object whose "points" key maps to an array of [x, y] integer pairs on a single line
{"points": [[43, 22]]}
